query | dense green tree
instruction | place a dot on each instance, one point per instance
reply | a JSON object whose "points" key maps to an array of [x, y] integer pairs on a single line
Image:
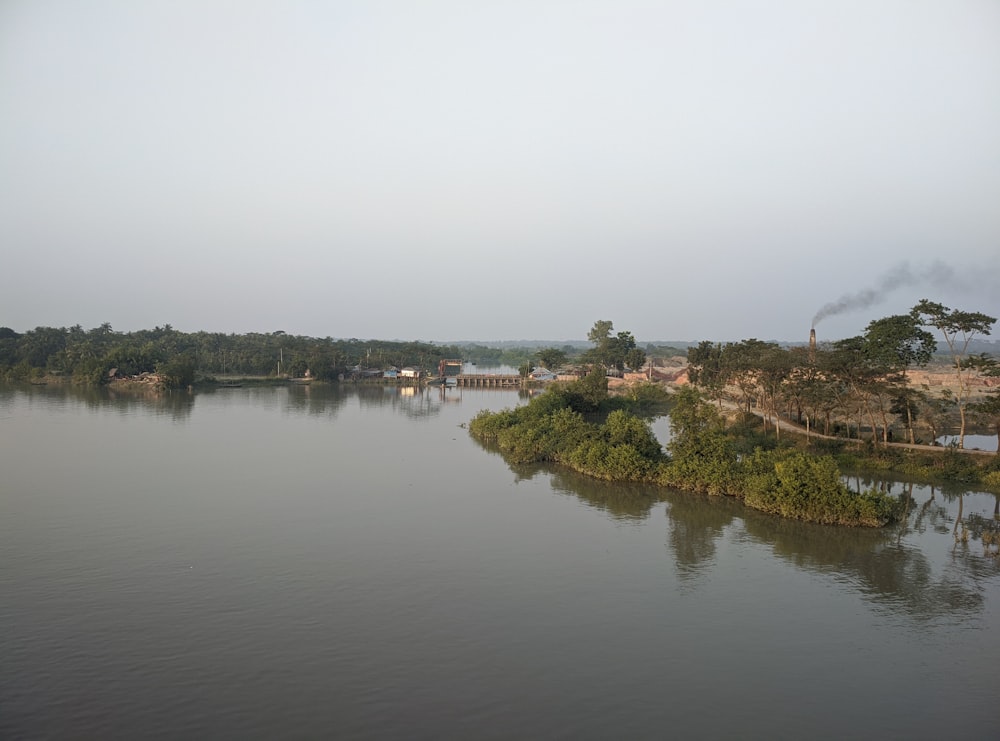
{"points": [[600, 333], [40, 344], [703, 457], [622, 428], [635, 359], [898, 342], [8, 347], [178, 372], [613, 351], [706, 369], [742, 363], [586, 394], [551, 357], [867, 387], [893, 345]]}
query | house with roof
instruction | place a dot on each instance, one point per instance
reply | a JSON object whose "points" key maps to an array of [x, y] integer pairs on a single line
{"points": [[542, 374]]}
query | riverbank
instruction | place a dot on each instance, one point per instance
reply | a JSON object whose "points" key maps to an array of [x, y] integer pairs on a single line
{"points": [[934, 464]]}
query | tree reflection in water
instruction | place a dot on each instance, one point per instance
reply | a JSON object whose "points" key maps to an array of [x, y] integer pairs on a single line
{"points": [[175, 405], [907, 568], [411, 401], [316, 401], [621, 501], [695, 526], [887, 566], [890, 567]]}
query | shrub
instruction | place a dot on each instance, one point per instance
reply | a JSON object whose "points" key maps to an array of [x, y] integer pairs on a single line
{"points": [[707, 464], [809, 488], [487, 425]]}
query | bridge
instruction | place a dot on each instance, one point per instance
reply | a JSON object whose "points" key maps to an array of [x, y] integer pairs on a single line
{"points": [[488, 380]]}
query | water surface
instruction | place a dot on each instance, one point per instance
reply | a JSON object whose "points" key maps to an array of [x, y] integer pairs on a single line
{"points": [[321, 562]]}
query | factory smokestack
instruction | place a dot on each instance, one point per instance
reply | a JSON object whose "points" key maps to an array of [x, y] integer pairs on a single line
{"points": [[812, 345]]}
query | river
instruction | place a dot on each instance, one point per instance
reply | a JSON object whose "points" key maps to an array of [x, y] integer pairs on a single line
{"points": [[317, 562]]}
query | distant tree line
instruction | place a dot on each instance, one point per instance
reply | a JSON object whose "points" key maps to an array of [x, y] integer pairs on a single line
{"points": [[87, 356]]}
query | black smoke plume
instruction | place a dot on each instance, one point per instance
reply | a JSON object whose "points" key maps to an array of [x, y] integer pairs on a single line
{"points": [[898, 277]]}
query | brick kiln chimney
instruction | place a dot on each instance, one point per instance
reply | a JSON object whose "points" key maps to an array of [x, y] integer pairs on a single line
{"points": [[812, 345]]}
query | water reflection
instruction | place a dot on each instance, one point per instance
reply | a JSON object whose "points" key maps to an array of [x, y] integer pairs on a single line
{"points": [[175, 405], [695, 526], [318, 401], [885, 566], [309, 399], [415, 402], [621, 501], [896, 568]]}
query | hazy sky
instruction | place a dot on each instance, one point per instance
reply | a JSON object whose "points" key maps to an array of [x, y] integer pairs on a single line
{"points": [[496, 170]]}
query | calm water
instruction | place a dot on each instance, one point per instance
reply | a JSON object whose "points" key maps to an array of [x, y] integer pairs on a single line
{"points": [[323, 563]]}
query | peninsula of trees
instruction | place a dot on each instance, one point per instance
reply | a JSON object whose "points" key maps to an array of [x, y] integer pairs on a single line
{"points": [[852, 381], [578, 425]]}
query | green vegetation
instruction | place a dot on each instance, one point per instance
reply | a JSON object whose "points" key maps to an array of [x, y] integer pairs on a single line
{"points": [[87, 356], [554, 428], [617, 351], [579, 426]]}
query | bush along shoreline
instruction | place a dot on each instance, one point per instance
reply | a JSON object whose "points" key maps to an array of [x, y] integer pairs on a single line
{"points": [[579, 426]]}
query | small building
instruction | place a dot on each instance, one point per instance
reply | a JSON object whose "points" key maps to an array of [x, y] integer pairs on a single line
{"points": [[391, 373], [409, 372], [542, 374]]}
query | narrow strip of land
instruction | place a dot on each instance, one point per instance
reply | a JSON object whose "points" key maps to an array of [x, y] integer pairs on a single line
{"points": [[797, 429]]}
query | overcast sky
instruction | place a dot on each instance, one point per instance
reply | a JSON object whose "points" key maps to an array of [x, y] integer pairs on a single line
{"points": [[496, 170]]}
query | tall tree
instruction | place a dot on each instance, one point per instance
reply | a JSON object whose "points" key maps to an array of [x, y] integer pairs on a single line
{"points": [[958, 328], [613, 351], [775, 367], [600, 333], [742, 362], [899, 342], [893, 345], [862, 383], [706, 369]]}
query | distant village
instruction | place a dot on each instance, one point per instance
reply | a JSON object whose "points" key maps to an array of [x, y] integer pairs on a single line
{"points": [[450, 371]]}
